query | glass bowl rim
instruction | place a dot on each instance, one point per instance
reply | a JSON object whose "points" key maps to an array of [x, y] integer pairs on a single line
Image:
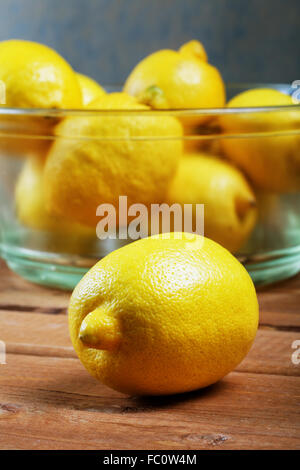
{"points": [[177, 112]]}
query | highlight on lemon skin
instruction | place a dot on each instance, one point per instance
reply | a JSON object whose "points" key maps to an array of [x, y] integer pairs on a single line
{"points": [[100, 330]]}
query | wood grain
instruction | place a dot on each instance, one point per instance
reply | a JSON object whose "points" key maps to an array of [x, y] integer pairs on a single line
{"points": [[53, 402], [17, 294], [47, 335], [49, 401]]}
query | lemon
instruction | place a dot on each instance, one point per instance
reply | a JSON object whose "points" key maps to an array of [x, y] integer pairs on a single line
{"points": [[229, 203], [178, 79], [100, 157], [270, 160], [30, 203], [165, 314], [90, 89], [34, 76], [55, 234]]}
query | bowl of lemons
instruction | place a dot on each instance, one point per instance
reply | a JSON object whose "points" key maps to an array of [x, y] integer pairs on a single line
{"points": [[86, 169]]}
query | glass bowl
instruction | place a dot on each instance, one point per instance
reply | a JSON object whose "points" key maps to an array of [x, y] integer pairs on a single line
{"points": [[263, 143]]}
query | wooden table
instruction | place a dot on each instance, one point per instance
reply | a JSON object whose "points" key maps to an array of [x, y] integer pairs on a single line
{"points": [[49, 401]]}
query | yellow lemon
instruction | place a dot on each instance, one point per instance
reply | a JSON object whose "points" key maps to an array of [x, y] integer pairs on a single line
{"points": [[90, 89], [30, 203], [270, 159], [34, 76], [229, 203], [178, 79], [98, 158], [165, 314]]}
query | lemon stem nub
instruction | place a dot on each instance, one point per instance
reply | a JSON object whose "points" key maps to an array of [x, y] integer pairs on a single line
{"points": [[154, 97], [100, 330], [194, 49]]}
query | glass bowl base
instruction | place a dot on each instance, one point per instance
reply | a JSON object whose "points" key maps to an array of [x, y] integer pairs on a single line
{"points": [[53, 272], [272, 269], [47, 274]]}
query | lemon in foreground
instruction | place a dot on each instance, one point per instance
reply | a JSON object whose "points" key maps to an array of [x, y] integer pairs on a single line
{"points": [[90, 89], [165, 314], [105, 155], [270, 156], [229, 202]]}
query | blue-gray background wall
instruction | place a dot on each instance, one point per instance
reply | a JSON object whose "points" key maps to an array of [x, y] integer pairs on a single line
{"points": [[250, 40]]}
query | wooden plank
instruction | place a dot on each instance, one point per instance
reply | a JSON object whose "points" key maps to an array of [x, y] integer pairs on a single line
{"points": [[47, 335], [49, 401], [34, 329], [292, 283], [271, 353], [17, 294], [282, 321], [53, 403], [279, 306], [280, 301]]}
